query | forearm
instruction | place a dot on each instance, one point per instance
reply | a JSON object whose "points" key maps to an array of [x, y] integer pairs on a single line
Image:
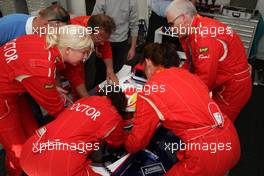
{"points": [[82, 92], [117, 138], [110, 74], [57, 78], [144, 126], [133, 42], [109, 65]]}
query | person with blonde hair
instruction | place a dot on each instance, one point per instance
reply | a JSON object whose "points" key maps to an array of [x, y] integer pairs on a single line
{"points": [[28, 65], [17, 24]]}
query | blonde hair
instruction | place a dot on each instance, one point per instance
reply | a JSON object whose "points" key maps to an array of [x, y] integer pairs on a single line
{"points": [[72, 36]]}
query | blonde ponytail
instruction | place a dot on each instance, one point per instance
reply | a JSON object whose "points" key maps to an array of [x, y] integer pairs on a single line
{"points": [[51, 40]]}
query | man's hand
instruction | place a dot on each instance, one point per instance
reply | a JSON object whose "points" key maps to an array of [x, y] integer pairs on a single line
{"points": [[111, 77], [63, 93], [131, 54], [82, 92], [98, 54], [132, 51]]}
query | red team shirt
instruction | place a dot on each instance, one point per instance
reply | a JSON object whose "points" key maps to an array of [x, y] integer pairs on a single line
{"points": [[26, 67], [180, 102], [88, 121], [217, 55], [27, 56]]}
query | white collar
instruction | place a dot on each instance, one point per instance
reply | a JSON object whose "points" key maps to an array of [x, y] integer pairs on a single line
{"points": [[29, 25]]}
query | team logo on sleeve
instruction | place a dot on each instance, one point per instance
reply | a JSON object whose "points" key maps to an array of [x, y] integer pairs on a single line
{"points": [[203, 50], [57, 60], [203, 53], [204, 56], [49, 86]]}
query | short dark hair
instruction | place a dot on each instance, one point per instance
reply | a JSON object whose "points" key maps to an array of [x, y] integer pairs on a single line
{"points": [[104, 22], [117, 98], [55, 13], [164, 54]]}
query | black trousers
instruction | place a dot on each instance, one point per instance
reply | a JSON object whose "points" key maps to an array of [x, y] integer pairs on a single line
{"points": [[119, 50], [35, 109], [95, 69], [89, 6]]}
